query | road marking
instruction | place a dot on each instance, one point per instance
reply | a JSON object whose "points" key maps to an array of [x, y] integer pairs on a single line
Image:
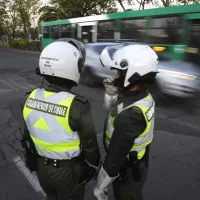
{"points": [[178, 122], [3, 91], [33, 180], [14, 85], [19, 85]]}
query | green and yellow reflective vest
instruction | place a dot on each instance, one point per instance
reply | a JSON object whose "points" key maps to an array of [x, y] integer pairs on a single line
{"points": [[147, 106], [47, 118]]}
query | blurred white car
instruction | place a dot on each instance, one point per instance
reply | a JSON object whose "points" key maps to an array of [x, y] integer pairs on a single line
{"points": [[176, 78]]}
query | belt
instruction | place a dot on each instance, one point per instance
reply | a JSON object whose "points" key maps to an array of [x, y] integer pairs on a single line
{"points": [[57, 162]]}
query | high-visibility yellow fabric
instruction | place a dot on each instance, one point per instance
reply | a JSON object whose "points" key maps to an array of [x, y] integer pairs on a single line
{"points": [[51, 133], [141, 149]]}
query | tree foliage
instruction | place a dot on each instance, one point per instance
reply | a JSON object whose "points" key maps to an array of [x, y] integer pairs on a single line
{"points": [[157, 3], [61, 9], [50, 13], [26, 10], [2, 16], [18, 15], [10, 19]]}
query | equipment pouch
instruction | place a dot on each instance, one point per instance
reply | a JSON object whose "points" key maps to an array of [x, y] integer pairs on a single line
{"points": [[87, 176]]}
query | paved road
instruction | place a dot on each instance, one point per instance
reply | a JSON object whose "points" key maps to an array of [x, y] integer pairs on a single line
{"points": [[174, 169]]}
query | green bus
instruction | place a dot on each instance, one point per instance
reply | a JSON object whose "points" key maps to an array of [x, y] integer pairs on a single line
{"points": [[172, 30]]}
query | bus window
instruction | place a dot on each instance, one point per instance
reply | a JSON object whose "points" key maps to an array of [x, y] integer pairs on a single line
{"points": [[193, 48], [55, 32], [46, 32], [165, 30], [106, 30], [132, 29], [66, 31]]}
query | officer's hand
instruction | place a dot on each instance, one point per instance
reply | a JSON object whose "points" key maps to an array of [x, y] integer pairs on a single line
{"points": [[100, 194], [109, 86]]}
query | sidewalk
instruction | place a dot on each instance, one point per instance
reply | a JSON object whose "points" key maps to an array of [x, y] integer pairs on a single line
{"points": [[19, 50]]}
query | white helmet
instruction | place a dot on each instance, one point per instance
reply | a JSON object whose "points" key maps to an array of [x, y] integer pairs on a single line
{"points": [[138, 60], [64, 59]]}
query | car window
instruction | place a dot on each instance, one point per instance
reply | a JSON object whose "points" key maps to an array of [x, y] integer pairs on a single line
{"points": [[99, 48]]}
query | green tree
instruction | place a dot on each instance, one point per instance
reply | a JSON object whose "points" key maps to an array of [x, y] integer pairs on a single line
{"points": [[27, 10], [9, 19], [50, 13], [61, 9], [133, 3], [166, 3], [3, 15], [34, 32]]}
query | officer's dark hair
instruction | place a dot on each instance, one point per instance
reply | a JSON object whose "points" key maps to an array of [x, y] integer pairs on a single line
{"points": [[57, 80], [60, 81], [147, 79], [136, 79]]}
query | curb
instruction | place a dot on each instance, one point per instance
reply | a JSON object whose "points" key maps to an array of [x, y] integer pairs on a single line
{"points": [[25, 51]]}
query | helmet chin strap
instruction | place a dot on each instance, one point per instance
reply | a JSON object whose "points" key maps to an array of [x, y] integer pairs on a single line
{"points": [[119, 81]]}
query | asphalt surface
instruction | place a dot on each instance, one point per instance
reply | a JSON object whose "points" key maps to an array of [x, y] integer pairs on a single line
{"points": [[174, 171]]}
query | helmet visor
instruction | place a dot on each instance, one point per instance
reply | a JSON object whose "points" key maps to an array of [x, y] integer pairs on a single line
{"points": [[112, 49]]}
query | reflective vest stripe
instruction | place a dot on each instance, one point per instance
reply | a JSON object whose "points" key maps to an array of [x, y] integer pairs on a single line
{"points": [[58, 155], [51, 133], [147, 107], [59, 101], [59, 147]]}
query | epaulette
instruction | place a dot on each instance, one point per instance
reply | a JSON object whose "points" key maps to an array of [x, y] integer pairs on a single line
{"points": [[81, 98], [28, 92]]}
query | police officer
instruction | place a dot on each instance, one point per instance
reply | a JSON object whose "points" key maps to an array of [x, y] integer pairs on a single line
{"points": [[130, 123], [60, 124]]}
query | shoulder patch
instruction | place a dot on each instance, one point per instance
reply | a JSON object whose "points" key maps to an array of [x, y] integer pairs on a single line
{"points": [[150, 113], [27, 94], [81, 98]]}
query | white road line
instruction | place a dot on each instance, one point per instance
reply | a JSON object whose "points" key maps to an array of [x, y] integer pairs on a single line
{"points": [[19, 85], [14, 85], [29, 176], [179, 122], [3, 91]]}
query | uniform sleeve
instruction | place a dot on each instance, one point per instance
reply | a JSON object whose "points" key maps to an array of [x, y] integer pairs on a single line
{"points": [[88, 136], [26, 134], [128, 125]]}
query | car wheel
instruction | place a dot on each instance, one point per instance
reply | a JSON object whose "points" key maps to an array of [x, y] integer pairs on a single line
{"points": [[158, 96]]}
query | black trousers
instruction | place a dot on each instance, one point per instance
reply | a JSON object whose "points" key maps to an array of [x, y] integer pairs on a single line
{"points": [[130, 189], [61, 182]]}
